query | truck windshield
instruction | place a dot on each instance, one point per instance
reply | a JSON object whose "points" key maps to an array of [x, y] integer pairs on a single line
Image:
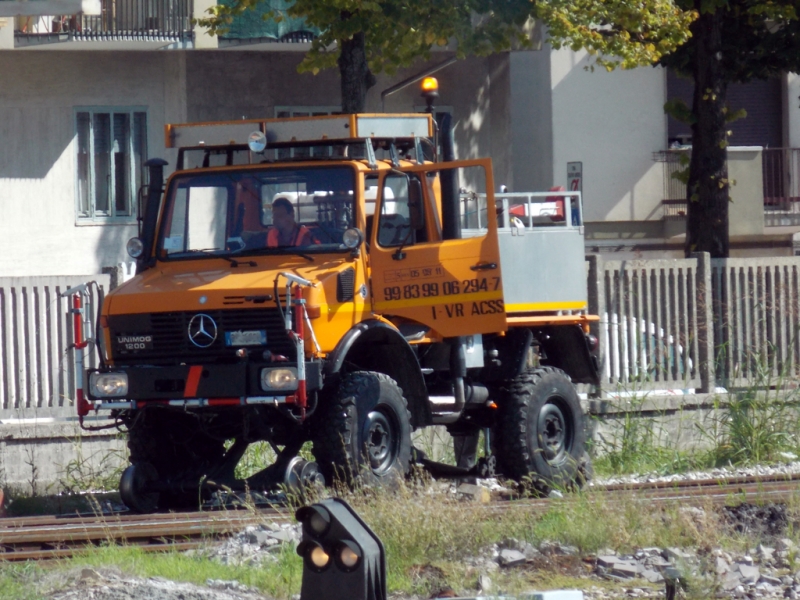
{"points": [[270, 211]]}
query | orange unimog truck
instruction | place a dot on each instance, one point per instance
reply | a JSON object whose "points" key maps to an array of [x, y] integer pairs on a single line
{"points": [[422, 299]]}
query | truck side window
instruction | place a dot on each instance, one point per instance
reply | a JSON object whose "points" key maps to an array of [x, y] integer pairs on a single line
{"points": [[402, 221]]}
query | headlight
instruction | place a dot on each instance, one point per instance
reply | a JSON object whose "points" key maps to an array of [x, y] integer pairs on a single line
{"points": [[352, 238], [135, 247], [108, 385], [281, 378]]}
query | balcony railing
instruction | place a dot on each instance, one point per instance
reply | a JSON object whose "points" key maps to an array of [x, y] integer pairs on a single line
{"points": [[781, 185], [673, 203], [781, 168], [120, 20]]}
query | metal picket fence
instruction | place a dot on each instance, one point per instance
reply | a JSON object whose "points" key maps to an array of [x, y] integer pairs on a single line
{"points": [[696, 323], [649, 324], [36, 372], [756, 319]]}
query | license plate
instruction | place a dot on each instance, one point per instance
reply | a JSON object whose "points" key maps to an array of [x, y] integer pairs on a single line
{"points": [[246, 338]]}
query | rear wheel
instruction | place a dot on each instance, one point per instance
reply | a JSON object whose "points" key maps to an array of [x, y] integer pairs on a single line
{"points": [[540, 431], [364, 431]]}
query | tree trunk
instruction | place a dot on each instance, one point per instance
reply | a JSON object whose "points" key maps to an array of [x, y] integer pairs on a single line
{"points": [[708, 189], [354, 72]]}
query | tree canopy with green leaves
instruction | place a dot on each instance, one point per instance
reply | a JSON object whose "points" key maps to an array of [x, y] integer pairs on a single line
{"points": [[365, 37], [733, 41]]}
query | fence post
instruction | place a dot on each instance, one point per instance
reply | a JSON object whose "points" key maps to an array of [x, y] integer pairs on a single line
{"points": [[597, 306], [705, 322]]}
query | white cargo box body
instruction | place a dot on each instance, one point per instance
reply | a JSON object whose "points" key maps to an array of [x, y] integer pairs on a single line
{"points": [[542, 253]]}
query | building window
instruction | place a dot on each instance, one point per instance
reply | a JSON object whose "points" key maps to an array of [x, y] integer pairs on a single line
{"points": [[112, 150]]}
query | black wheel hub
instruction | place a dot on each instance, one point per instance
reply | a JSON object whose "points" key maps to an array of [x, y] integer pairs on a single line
{"points": [[134, 488], [554, 433], [381, 441]]}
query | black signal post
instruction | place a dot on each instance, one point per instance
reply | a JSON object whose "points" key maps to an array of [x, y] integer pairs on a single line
{"points": [[343, 559]]}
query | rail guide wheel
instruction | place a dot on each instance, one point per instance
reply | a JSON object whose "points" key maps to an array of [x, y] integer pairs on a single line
{"points": [[133, 488]]}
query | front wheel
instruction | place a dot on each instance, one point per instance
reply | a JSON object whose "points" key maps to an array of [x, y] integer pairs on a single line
{"points": [[540, 430], [364, 431]]}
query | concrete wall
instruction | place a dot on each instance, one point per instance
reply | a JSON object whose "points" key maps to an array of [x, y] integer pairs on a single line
{"points": [[37, 163], [50, 455], [612, 122]]}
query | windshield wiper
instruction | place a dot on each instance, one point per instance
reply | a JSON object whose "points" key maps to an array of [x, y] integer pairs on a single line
{"points": [[282, 250], [212, 252]]}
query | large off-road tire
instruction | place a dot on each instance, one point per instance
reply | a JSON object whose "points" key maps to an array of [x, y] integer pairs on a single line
{"points": [[363, 431], [540, 431], [172, 444]]}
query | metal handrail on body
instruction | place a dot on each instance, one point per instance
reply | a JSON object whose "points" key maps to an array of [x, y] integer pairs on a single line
{"points": [[473, 216]]}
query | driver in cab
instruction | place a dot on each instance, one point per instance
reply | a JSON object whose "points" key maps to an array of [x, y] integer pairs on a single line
{"points": [[286, 231]]}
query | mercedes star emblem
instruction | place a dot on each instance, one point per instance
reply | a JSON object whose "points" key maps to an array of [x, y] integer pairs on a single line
{"points": [[202, 330]]}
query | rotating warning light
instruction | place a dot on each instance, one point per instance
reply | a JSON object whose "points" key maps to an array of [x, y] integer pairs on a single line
{"points": [[429, 84], [343, 559], [430, 91]]}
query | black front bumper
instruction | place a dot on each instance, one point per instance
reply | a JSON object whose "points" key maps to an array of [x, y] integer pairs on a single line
{"points": [[185, 382]]}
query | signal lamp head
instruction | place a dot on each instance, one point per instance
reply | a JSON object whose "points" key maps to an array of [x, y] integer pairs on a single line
{"points": [[348, 555], [319, 521], [316, 557]]}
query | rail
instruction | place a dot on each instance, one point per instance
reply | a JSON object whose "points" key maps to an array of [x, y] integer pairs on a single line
{"points": [[55, 537]]}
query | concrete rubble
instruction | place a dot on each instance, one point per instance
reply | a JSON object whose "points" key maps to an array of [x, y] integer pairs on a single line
{"points": [[255, 545], [764, 572]]}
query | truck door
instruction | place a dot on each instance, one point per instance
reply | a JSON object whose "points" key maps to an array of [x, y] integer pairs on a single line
{"points": [[453, 286]]}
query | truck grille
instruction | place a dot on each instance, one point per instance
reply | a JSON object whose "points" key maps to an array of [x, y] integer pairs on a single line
{"points": [[170, 339]]}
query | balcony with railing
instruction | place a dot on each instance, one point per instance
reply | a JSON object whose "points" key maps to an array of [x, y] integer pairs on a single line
{"points": [[164, 21], [780, 169]]}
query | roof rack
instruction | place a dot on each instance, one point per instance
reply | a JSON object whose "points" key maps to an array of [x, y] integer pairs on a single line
{"points": [[328, 129]]}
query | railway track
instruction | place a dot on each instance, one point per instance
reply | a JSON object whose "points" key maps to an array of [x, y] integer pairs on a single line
{"points": [[37, 538], [51, 537]]}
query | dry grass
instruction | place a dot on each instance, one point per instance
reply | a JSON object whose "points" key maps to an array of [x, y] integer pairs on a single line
{"points": [[436, 540]]}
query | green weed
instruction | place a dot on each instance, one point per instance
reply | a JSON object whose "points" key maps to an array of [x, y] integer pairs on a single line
{"points": [[18, 581]]}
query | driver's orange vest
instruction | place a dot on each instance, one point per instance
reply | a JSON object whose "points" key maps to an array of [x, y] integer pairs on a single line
{"points": [[302, 237]]}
